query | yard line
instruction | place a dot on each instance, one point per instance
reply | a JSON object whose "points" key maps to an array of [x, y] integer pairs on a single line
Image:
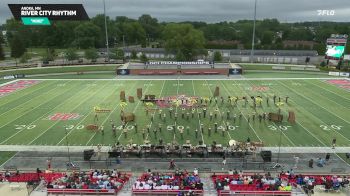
{"points": [[80, 122], [228, 93], [319, 120], [199, 120], [160, 94], [314, 102], [298, 122], [9, 159], [333, 100], [217, 107], [275, 123], [31, 109], [187, 79], [9, 82], [138, 103], [177, 95], [23, 94], [328, 89], [35, 119], [82, 101], [106, 119], [18, 106]]}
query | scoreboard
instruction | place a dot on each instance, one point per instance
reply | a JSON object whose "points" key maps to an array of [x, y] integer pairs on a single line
{"points": [[336, 47]]}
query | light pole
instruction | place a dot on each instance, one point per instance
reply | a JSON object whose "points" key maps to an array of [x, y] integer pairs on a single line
{"points": [[104, 11], [253, 39]]}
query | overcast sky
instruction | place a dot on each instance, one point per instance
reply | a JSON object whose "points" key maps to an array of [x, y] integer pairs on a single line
{"points": [[207, 10]]}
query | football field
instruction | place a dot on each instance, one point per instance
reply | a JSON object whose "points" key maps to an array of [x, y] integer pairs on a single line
{"points": [[57, 112]]}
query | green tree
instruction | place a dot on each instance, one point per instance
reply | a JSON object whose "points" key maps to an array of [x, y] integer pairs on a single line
{"points": [[71, 54], [150, 25], [267, 38], [217, 56], [183, 40], [49, 55], [119, 54], [143, 58], [2, 40], [87, 35], [133, 54], [2, 53], [17, 47], [91, 54], [24, 58]]}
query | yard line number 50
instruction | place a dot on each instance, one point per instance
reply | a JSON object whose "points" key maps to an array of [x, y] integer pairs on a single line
{"points": [[281, 127]]}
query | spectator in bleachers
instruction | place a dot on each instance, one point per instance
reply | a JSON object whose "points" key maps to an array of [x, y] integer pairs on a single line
{"points": [[94, 179], [180, 180]]}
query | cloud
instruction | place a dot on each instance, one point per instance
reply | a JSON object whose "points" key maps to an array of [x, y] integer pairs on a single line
{"points": [[207, 10]]}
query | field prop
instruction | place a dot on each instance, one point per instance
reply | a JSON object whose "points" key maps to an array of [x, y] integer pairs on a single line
{"points": [[291, 117], [217, 91], [131, 99], [122, 96], [97, 109], [127, 117], [139, 93], [92, 127], [275, 117]]}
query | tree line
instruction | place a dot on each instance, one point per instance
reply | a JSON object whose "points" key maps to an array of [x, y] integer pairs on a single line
{"points": [[185, 39]]}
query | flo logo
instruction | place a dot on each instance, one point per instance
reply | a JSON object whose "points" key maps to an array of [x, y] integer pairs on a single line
{"points": [[325, 12], [64, 116]]}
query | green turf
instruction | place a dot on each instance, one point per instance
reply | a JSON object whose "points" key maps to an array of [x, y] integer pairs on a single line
{"points": [[4, 156], [344, 158], [285, 74], [102, 75], [321, 111], [58, 69]]}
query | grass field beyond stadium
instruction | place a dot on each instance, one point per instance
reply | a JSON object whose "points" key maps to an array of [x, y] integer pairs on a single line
{"points": [[39, 113]]}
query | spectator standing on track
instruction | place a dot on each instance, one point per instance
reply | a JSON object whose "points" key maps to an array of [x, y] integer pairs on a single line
{"points": [[48, 161], [327, 157], [334, 141], [172, 164], [311, 163], [223, 161], [196, 133], [99, 148], [135, 127], [296, 161], [143, 133]]}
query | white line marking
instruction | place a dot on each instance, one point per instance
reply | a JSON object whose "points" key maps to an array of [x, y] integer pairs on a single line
{"points": [[18, 106], [82, 101], [154, 112], [199, 120], [82, 120], [32, 109], [138, 103], [106, 118], [173, 79], [314, 103], [320, 121], [228, 93]]}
